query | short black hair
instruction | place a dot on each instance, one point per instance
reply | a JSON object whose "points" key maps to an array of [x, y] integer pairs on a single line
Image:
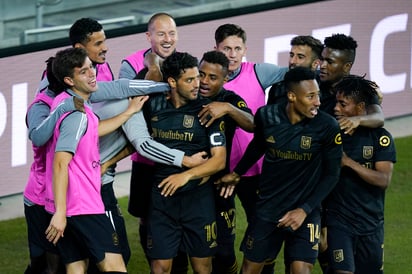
{"points": [[296, 75], [82, 29], [226, 30], [176, 64], [66, 61], [358, 88], [54, 85], [308, 40], [344, 43], [216, 57]]}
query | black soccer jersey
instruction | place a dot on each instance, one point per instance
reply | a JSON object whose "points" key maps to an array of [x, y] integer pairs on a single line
{"points": [[229, 96], [327, 99], [354, 202], [179, 128], [277, 94], [301, 163]]}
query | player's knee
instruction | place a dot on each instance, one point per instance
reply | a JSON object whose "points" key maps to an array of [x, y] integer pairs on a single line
{"points": [[112, 262], [299, 267], [202, 265], [161, 266], [76, 267]]}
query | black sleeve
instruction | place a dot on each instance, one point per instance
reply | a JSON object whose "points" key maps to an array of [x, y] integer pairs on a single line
{"points": [[331, 166], [237, 101], [277, 94]]}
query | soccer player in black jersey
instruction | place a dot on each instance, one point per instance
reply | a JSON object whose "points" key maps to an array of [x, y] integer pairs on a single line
{"points": [[302, 154], [337, 58], [214, 69], [305, 51], [182, 213], [355, 208]]}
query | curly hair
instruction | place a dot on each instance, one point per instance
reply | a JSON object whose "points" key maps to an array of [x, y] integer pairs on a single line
{"points": [[176, 64], [358, 88], [216, 57]]}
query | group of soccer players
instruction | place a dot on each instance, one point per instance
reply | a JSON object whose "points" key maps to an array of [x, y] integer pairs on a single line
{"points": [[310, 164]]}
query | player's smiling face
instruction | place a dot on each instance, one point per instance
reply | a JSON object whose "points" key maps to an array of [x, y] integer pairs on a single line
{"points": [[83, 81], [212, 78], [162, 36], [305, 97], [96, 47]]}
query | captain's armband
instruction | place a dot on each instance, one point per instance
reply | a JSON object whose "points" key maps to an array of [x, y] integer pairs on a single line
{"points": [[217, 139]]}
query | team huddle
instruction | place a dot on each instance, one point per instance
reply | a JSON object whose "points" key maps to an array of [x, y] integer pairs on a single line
{"points": [[302, 147]]}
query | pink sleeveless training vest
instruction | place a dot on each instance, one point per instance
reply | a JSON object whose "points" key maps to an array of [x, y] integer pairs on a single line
{"points": [[136, 60], [83, 193], [35, 187], [104, 73], [247, 86]]}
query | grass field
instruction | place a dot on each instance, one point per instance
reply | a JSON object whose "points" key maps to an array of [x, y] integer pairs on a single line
{"points": [[398, 227]]}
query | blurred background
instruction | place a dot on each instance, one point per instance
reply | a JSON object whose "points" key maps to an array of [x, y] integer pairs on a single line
{"points": [[23, 22]]}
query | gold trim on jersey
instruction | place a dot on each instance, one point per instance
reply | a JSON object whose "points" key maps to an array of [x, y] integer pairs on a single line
{"points": [[338, 139], [222, 126], [241, 104], [384, 141]]}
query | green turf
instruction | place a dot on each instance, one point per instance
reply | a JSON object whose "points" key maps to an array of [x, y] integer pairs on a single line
{"points": [[398, 227]]}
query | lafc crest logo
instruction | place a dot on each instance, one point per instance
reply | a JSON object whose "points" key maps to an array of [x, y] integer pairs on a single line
{"points": [[249, 242], [305, 142], [188, 121], [115, 239], [368, 152], [338, 255], [149, 242]]}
